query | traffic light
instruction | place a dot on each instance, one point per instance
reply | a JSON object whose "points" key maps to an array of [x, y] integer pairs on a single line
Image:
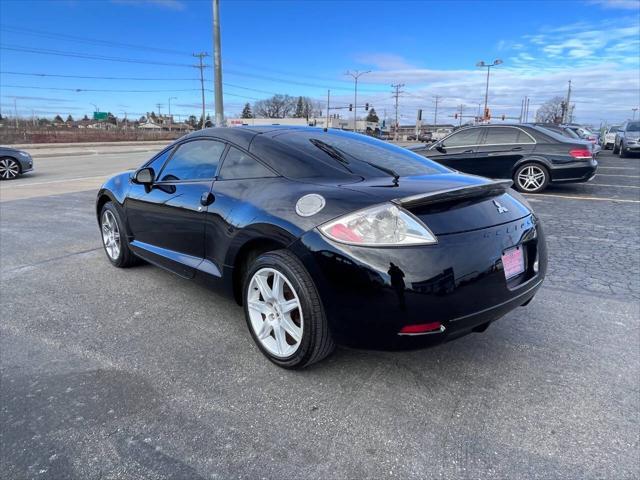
{"points": [[366, 106], [503, 117], [419, 114], [455, 115], [487, 114], [351, 107]]}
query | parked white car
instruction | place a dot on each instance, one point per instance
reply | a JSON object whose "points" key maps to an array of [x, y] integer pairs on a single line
{"points": [[608, 139], [439, 134]]}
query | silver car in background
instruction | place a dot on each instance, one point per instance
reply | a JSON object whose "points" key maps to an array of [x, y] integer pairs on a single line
{"points": [[627, 138], [13, 163]]}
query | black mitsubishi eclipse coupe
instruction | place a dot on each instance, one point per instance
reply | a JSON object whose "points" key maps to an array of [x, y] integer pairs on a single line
{"points": [[328, 237]]}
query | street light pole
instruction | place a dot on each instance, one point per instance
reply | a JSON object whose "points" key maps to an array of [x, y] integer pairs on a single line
{"points": [[217, 65], [634, 113], [486, 92], [356, 75]]}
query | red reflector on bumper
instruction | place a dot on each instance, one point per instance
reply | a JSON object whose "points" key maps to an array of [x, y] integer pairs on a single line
{"points": [[421, 328]]}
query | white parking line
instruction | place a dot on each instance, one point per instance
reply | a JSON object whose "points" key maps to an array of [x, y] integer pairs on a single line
{"points": [[617, 168], [607, 185], [541, 196], [614, 175], [31, 184]]}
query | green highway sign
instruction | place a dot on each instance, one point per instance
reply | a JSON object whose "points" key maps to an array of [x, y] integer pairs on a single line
{"points": [[100, 115]]}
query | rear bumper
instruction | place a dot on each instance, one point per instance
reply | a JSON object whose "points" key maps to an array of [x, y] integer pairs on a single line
{"points": [[370, 294], [575, 172]]}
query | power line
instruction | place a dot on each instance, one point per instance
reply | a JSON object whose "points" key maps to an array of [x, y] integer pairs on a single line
{"points": [[90, 41], [39, 51], [61, 53], [92, 77], [95, 41], [99, 90]]}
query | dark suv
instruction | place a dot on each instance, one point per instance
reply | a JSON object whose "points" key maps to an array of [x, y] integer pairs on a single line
{"points": [[532, 156], [627, 138]]}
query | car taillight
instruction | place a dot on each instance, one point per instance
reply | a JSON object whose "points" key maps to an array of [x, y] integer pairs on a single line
{"points": [[421, 328], [580, 153]]}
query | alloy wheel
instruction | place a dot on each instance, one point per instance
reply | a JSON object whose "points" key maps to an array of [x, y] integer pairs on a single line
{"points": [[275, 312], [110, 235], [531, 178], [9, 168]]}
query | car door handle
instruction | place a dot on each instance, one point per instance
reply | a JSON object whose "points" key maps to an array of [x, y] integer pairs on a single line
{"points": [[468, 151], [207, 198], [515, 149]]}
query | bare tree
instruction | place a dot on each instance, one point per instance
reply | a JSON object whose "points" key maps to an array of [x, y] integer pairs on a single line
{"points": [[278, 106], [551, 111]]}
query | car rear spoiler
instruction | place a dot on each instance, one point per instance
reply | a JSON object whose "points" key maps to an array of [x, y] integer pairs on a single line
{"points": [[491, 188]]}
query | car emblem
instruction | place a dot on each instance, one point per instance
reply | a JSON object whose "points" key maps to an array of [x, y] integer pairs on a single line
{"points": [[500, 208]]}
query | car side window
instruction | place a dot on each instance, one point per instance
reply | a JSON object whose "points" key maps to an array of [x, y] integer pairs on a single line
{"points": [[463, 138], [238, 164], [501, 135], [158, 162], [196, 160]]}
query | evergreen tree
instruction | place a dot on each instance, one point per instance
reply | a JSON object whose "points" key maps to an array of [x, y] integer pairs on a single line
{"points": [[372, 116], [69, 118], [85, 118], [299, 113], [246, 111], [58, 119]]}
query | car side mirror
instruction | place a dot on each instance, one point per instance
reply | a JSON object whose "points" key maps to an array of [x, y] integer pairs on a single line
{"points": [[441, 148], [144, 176]]}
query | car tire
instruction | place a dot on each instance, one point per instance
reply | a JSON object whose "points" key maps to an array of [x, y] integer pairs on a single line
{"points": [[292, 338], [623, 151], [615, 148], [531, 177], [114, 238], [9, 168]]}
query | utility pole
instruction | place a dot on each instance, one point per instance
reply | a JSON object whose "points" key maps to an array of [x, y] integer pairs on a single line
{"points": [[478, 114], [435, 115], [217, 65], [201, 66], [396, 94], [461, 107], [566, 116], [486, 91], [634, 113], [356, 75], [326, 127], [170, 117], [15, 110], [159, 105], [526, 110]]}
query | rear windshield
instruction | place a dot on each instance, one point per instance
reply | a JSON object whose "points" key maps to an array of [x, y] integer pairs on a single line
{"points": [[355, 154], [633, 127]]}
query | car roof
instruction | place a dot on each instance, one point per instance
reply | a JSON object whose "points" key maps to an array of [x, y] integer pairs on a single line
{"points": [[243, 135]]}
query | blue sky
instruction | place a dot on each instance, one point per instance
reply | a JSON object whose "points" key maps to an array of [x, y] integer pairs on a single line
{"points": [[304, 47]]}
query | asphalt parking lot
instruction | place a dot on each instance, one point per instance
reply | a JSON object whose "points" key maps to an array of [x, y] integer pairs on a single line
{"points": [[136, 373]]}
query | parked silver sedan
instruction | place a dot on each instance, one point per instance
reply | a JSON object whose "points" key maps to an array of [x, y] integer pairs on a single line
{"points": [[13, 163]]}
